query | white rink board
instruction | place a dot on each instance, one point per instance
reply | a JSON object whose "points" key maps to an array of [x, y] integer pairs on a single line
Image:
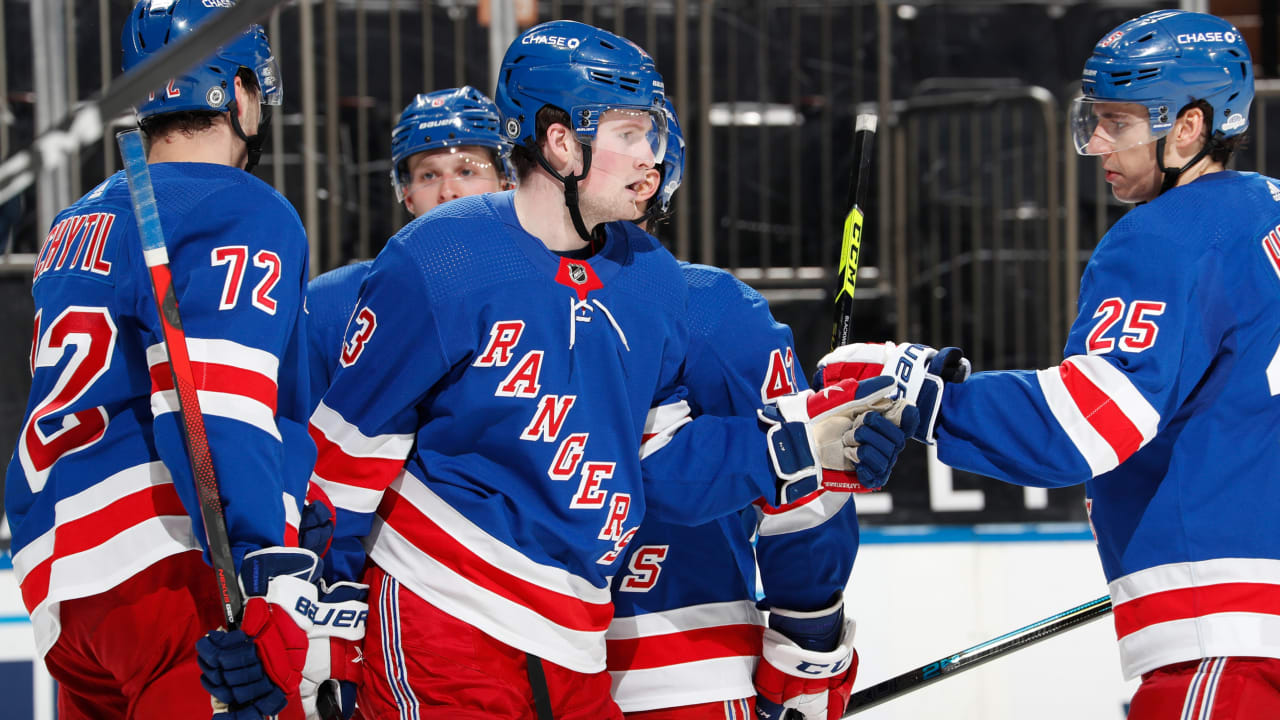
{"points": [[919, 602], [915, 603]]}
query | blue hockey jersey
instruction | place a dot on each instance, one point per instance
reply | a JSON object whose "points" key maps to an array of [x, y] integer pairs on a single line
{"points": [[686, 629], [1166, 407], [99, 487], [331, 298], [488, 421]]}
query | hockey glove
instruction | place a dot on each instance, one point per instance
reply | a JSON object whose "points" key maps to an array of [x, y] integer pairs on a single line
{"points": [[798, 677], [257, 668], [334, 659], [815, 439], [920, 371], [315, 530]]}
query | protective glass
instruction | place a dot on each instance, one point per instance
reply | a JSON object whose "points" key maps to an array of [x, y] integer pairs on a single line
{"points": [[630, 130], [1101, 127]]}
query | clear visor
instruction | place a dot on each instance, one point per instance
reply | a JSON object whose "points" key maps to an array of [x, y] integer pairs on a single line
{"points": [[637, 132], [468, 170], [1101, 127], [268, 72]]}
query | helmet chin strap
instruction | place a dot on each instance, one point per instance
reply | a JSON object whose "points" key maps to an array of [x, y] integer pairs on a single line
{"points": [[252, 143], [1171, 175], [571, 190]]}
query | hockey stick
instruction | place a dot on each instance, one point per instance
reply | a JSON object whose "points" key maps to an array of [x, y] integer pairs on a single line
{"points": [[194, 436], [864, 137], [976, 655]]}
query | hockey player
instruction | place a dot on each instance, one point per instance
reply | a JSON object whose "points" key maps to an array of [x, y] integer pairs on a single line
{"points": [[508, 393], [687, 637], [1166, 405], [446, 145], [107, 531]]}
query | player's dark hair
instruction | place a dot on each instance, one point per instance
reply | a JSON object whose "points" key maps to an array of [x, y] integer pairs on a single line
{"points": [[1220, 150], [190, 122], [522, 158]]}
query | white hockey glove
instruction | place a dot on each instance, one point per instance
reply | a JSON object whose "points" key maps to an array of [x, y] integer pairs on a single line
{"points": [[334, 659], [835, 438], [920, 371], [791, 679]]}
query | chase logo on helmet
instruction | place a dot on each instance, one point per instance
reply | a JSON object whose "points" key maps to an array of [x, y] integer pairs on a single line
{"points": [[217, 3], [553, 40], [1236, 120], [1227, 37]]}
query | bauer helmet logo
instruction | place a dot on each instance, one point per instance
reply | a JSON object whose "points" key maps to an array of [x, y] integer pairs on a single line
{"points": [[1111, 39], [513, 127], [215, 97], [577, 273]]}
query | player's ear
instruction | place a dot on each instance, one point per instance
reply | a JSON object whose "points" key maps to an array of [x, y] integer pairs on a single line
{"points": [[562, 150], [1189, 129]]}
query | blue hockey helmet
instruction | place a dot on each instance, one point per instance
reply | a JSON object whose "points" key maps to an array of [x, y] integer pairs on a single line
{"points": [[672, 160], [581, 70], [1165, 60], [153, 24], [447, 118]]}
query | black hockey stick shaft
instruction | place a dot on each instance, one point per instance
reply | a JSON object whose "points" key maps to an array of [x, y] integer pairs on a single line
{"points": [[977, 655], [194, 436], [864, 137]]}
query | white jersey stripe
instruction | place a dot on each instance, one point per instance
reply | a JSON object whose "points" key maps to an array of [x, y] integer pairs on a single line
{"points": [[661, 425], [349, 497], [704, 681], [1176, 576], [1091, 445], [685, 619], [221, 352], [227, 405], [356, 444]]}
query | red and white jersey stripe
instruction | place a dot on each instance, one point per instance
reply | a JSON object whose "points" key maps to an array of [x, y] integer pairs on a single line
{"points": [[444, 558], [661, 425], [685, 656], [353, 468], [1224, 607], [1098, 407], [233, 381], [101, 537], [105, 535]]}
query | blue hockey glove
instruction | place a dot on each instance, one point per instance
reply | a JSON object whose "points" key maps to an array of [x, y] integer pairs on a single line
{"points": [[256, 669], [808, 665], [334, 662], [813, 437], [315, 530]]}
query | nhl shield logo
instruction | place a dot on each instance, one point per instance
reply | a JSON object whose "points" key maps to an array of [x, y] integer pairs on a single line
{"points": [[215, 97], [577, 274], [513, 127]]}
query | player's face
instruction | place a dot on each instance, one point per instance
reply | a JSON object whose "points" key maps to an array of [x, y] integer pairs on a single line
{"points": [[622, 156], [438, 176], [1131, 170]]}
